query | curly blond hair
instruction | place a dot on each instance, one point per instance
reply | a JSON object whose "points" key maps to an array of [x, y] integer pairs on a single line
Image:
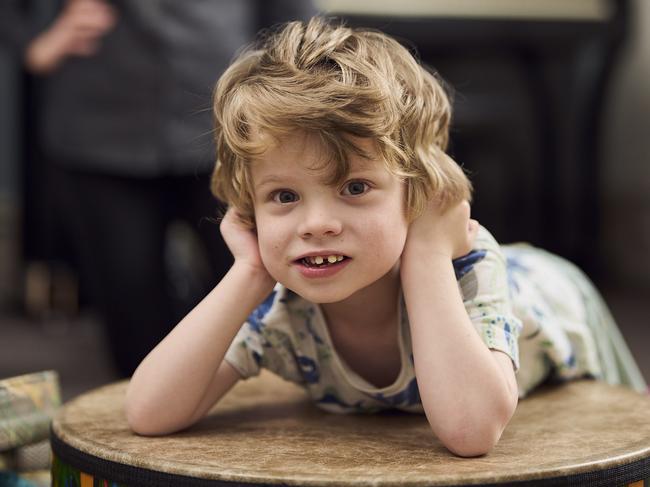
{"points": [[335, 82]]}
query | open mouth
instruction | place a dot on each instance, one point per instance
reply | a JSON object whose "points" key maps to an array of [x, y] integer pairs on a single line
{"points": [[322, 261]]}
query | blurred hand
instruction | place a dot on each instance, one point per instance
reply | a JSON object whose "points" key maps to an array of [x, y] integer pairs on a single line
{"points": [[77, 31]]}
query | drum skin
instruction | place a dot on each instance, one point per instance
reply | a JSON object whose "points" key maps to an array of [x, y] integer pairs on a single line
{"points": [[266, 431]]}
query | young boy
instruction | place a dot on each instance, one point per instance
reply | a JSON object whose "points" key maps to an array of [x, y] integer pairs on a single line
{"points": [[358, 272]]}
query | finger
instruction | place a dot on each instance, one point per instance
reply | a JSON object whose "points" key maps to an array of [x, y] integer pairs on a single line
{"points": [[94, 21], [87, 47], [230, 213], [234, 216], [473, 232], [91, 14], [462, 212]]}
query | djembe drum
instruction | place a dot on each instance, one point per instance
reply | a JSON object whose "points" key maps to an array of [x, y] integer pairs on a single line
{"points": [[266, 431]]}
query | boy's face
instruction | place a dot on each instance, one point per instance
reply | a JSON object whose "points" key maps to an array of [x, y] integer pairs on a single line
{"points": [[297, 214]]}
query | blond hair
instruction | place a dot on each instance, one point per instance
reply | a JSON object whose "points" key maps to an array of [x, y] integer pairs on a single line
{"points": [[337, 82]]}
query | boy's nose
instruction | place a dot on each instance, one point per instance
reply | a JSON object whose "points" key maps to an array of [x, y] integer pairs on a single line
{"points": [[319, 223]]}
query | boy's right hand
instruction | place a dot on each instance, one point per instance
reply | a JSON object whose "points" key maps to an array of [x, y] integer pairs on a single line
{"points": [[242, 242]]}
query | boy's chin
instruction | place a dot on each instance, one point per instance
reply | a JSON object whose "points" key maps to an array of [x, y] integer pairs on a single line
{"points": [[320, 296]]}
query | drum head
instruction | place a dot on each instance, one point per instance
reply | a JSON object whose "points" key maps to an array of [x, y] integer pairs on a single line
{"points": [[266, 431]]}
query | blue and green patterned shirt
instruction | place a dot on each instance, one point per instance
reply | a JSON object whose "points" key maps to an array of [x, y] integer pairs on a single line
{"points": [[521, 300]]}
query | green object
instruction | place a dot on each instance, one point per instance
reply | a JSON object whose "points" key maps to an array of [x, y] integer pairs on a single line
{"points": [[27, 405]]}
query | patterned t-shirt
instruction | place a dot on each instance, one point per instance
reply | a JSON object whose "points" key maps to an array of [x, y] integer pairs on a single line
{"points": [[520, 300]]}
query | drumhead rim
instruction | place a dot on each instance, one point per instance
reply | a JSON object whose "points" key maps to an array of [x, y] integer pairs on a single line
{"points": [[143, 477]]}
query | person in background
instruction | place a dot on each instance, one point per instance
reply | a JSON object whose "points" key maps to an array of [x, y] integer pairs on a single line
{"points": [[125, 129]]}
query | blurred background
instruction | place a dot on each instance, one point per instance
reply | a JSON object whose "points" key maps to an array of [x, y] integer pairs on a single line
{"points": [[551, 111]]}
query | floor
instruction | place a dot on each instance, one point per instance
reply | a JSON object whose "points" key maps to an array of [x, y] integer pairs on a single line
{"points": [[76, 349]]}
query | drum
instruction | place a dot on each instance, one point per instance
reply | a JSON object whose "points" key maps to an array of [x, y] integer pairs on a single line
{"points": [[266, 431]]}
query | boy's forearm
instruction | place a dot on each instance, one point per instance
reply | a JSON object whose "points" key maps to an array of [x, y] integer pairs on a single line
{"points": [[463, 391], [173, 377]]}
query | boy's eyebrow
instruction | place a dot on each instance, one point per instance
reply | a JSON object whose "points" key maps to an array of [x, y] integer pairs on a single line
{"points": [[272, 178]]}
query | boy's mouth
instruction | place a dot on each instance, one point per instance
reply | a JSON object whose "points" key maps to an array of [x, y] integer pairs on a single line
{"points": [[322, 260]]}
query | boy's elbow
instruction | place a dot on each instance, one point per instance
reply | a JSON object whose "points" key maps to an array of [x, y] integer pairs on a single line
{"points": [[471, 445], [145, 422], [469, 439], [139, 422]]}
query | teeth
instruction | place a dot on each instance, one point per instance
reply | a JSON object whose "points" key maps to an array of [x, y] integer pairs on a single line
{"points": [[319, 259]]}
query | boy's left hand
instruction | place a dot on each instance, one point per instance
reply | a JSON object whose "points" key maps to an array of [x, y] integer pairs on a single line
{"points": [[449, 233]]}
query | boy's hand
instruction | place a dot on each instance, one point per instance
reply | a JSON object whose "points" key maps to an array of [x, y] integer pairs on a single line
{"points": [[242, 242], [449, 233]]}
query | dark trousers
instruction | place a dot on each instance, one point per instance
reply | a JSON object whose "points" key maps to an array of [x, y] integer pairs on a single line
{"points": [[118, 226]]}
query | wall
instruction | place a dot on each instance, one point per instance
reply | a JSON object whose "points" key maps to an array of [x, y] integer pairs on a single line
{"points": [[625, 186], [9, 184]]}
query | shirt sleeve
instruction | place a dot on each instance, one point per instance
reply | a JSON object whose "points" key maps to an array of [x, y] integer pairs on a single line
{"points": [[483, 282], [264, 341], [245, 352]]}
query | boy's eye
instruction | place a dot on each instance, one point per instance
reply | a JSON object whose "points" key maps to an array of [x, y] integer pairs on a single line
{"points": [[355, 188], [284, 196]]}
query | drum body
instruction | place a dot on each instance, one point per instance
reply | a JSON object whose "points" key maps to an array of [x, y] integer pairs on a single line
{"points": [[266, 431]]}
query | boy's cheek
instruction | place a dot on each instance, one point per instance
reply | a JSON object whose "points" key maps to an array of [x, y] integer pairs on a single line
{"points": [[385, 239], [272, 263], [270, 249]]}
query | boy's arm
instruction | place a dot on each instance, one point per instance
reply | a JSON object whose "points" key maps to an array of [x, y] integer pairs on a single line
{"points": [[467, 392], [185, 374]]}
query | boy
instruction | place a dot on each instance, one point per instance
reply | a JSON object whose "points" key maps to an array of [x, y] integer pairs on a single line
{"points": [[331, 156]]}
